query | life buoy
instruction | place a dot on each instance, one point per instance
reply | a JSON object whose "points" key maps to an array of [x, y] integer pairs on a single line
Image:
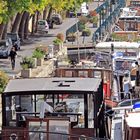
{"points": [[13, 136]]}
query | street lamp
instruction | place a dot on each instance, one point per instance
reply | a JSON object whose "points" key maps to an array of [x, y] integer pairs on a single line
{"points": [[77, 38], [77, 33]]}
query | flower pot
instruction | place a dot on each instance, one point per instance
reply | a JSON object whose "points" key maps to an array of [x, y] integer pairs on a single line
{"points": [[40, 61], [26, 73], [35, 62], [85, 33]]}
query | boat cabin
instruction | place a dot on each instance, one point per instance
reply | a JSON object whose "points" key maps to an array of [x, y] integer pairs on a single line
{"points": [[132, 126], [53, 108], [132, 48]]}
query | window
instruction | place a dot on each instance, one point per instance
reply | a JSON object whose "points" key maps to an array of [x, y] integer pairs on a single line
{"points": [[83, 74], [90, 111]]}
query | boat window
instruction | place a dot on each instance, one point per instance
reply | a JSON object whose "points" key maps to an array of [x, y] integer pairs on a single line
{"points": [[58, 127], [97, 74], [68, 73], [90, 111], [37, 126], [123, 65], [26, 102], [129, 54], [17, 104], [8, 111], [75, 104], [83, 74]]}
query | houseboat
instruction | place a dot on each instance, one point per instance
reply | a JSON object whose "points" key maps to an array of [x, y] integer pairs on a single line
{"points": [[53, 108]]}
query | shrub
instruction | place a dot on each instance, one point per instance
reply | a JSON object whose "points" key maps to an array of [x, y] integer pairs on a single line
{"points": [[81, 26], [38, 53], [27, 62], [57, 41], [93, 20], [3, 81]]}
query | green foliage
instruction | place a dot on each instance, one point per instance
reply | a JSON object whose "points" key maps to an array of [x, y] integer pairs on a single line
{"points": [[3, 81], [27, 62], [38, 53], [57, 41], [86, 32], [3, 11], [93, 19], [81, 26]]}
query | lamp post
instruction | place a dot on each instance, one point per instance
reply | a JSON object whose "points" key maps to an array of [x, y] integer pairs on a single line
{"points": [[77, 38], [77, 33]]}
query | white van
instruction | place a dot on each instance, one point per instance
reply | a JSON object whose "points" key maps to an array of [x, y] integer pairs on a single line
{"points": [[84, 9], [42, 26]]}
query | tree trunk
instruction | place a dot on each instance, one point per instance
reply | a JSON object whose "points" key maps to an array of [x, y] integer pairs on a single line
{"points": [[45, 13], [33, 24], [15, 26], [37, 18], [26, 31], [1, 29], [50, 12], [5, 31], [22, 26]]}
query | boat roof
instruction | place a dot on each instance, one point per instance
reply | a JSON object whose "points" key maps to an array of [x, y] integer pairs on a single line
{"points": [[126, 58], [53, 84], [133, 119], [118, 45]]}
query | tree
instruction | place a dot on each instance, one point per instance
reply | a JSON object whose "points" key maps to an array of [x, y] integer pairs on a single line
{"points": [[3, 81]]}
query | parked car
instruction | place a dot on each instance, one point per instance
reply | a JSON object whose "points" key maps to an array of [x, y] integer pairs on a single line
{"points": [[57, 19], [84, 9], [15, 40], [50, 23], [5, 47], [42, 26]]}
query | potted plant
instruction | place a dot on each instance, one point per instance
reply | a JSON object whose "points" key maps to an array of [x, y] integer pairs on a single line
{"points": [[71, 37], [27, 64], [83, 19], [81, 26], [92, 13], [94, 21], [39, 55], [57, 45], [86, 32], [57, 42]]}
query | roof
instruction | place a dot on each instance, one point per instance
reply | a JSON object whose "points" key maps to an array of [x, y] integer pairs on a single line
{"points": [[53, 84], [133, 119], [123, 45]]}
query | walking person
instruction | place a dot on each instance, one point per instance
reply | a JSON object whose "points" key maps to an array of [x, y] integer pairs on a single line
{"points": [[12, 56]]}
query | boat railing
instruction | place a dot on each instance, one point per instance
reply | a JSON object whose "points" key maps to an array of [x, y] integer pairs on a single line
{"points": [[42, 135]]}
